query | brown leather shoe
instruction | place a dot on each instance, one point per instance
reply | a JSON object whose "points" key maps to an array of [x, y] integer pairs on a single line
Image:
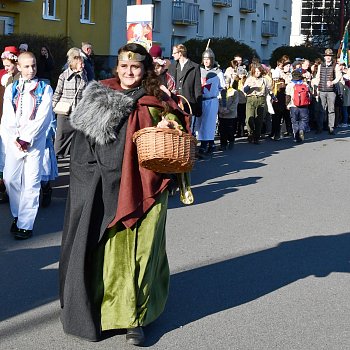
{"points": [[135, 336]]}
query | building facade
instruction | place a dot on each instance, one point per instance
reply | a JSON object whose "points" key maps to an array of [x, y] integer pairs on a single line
{"points": [[308, 19], [263, 25], [81, 20]]}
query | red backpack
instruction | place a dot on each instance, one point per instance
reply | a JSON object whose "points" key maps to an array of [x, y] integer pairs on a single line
{"points": [[301, 97]]}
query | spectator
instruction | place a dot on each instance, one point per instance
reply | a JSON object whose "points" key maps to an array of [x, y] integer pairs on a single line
{"points": [[345, 86], [86, 53], [160, 67], [228, 116], [70, 86], [256, 88], [327, 76], [187, 79], [298, 98], [45, 65], [23, 47], [242, 100]]}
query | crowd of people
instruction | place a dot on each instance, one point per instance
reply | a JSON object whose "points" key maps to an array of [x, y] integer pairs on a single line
{"points": [[113, 268]]}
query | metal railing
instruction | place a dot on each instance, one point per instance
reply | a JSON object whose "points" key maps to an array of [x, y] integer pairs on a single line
{"points": [[222, 3], [269, 28], [185, 13], [247, 6]]}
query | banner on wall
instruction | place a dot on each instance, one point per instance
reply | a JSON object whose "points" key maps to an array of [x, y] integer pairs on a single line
{"points": [[139, 20]]}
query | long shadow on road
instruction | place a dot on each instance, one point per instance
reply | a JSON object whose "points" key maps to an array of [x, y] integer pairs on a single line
{"points": [[207, 290], [27, 281]]}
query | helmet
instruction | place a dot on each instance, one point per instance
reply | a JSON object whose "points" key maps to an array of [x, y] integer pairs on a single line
{"points": [[208, 53]]}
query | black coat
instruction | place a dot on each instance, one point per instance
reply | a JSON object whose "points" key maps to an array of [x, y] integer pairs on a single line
{"points": [[188, 84]]}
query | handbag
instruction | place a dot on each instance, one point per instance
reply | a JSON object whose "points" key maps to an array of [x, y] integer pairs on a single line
{"points": [[64, 108]]}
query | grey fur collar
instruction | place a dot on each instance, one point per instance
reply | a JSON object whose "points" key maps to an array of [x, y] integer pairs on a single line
{"points": [[100, 111]]}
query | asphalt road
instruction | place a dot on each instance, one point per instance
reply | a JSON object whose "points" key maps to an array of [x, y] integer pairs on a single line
{"points": [[260, 261]]}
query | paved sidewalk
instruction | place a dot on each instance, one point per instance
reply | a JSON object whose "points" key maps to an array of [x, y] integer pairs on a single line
{"points": [[260, 261]]}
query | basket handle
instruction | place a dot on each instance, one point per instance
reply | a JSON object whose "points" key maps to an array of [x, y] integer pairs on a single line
{"points": [[186, 100]]}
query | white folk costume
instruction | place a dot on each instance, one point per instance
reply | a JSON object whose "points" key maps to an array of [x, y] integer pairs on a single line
{"points": [[27, 115], [213, 82]]}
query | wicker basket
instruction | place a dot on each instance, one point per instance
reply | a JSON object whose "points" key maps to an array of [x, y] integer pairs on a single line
{"points": [[165, 150]]}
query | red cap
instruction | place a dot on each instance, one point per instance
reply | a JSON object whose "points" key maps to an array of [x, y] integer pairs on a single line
{"points": [[12, 49], [155, 51]]}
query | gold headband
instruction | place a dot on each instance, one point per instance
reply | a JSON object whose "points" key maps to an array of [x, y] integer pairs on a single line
{"points": [[131, 56]]}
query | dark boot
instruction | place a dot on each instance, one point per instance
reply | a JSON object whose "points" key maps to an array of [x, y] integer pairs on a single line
{"points": [[4, 198], [47, 193]]}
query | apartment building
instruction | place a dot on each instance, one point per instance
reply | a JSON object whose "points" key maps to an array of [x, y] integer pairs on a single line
{"points": [[308, 18], [262, 24]]}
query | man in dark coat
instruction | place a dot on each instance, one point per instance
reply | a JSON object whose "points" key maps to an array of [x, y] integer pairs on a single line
{"points": [[187, 78], [86, 53]]}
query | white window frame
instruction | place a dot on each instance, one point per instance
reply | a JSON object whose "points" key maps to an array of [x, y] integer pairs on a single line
{"points": [[82, 12], [46, 8]]}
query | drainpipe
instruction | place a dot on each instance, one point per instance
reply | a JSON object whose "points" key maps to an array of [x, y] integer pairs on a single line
{"points": [[67, 19]]}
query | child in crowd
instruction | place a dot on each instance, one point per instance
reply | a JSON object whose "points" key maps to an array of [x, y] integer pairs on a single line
{"points": [[242, 100], [228, 115], [298, 99], [27, 113]]}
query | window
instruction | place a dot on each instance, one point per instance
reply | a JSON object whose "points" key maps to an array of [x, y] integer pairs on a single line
{"points": [[266, 13], [200, 25], [229, 28], [85, 11], [215, 24], [49, 9], [156, 16], [241, 28], [253, 31]]}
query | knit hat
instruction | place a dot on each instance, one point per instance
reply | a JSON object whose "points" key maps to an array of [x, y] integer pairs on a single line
{"points": [[155, 51], [241, 71], [10, 53], [23, 47], [296, 75]]}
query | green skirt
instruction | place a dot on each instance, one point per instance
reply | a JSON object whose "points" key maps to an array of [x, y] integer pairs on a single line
{"points": [[132, 277]]}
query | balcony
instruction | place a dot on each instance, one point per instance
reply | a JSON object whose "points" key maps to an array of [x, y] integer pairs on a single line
{"points": [[222, 3], [185, 13], [247, 6], [269, 28]]}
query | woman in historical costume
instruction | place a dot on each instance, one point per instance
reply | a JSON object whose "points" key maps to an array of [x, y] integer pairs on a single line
{"points": [[213, 82], [114, 271]]}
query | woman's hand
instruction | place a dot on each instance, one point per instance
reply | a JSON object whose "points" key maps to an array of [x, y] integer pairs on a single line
{"points": [[164, 89]]}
